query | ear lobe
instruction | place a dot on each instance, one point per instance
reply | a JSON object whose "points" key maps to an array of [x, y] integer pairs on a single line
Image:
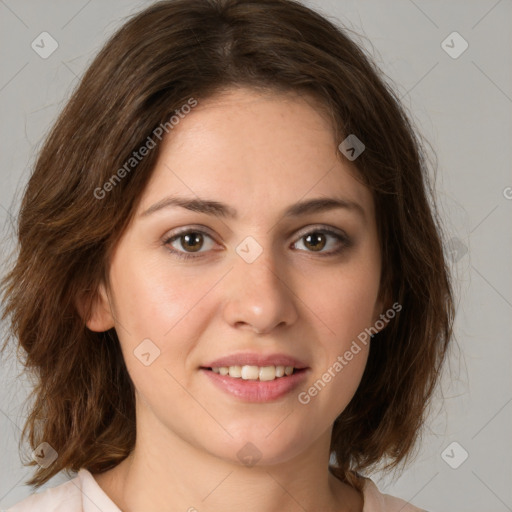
{"points": [[95, 309]]}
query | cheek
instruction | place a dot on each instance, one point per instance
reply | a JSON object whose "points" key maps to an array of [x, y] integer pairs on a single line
{"points": [[152, 301], [168, 306], [350, 307], [344, 308], [344, 299]]}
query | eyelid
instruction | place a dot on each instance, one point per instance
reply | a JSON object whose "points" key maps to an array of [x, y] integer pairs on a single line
{"points": [[191, 228], [188, 229], [320, 227]]}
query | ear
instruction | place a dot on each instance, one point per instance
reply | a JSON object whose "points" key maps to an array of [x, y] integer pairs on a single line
{"points": [[95, 309], [382, 304]]}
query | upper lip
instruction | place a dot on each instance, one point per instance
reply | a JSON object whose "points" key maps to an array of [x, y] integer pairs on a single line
{"points": [[253, 359]]}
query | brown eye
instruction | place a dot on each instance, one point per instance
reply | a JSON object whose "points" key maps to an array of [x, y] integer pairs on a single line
{"points": [[186, 243], [192, 241], [315, 241]]}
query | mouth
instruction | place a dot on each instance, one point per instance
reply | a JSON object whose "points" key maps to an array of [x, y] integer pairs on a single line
{"points": [[253, 377], [255, 383]]}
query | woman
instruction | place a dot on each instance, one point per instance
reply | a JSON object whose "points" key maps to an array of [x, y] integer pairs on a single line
{"points": [[230, 283]]}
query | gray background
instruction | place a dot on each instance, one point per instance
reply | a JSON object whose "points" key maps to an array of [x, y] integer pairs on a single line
{"points": [[464, 108]]}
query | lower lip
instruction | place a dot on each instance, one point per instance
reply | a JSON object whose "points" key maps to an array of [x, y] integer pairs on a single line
{"points": [[256, 390]]}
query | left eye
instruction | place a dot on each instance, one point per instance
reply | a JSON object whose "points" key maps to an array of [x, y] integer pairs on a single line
{"points": [[193, 240], [189, 240]]}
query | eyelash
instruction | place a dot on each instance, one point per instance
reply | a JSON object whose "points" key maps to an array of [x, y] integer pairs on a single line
{"points": [[343, 239]]}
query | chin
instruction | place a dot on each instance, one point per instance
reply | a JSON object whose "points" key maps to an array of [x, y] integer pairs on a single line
{"points": [[261, 444]]}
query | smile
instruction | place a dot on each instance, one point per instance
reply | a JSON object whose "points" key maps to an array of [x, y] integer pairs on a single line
{"points": [[250, 372]]}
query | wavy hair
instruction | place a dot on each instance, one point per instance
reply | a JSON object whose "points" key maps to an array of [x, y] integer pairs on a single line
{"points": [[83, 398]]}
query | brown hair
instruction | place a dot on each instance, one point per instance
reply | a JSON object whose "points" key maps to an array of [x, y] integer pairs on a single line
{"points": [[170, 52]]}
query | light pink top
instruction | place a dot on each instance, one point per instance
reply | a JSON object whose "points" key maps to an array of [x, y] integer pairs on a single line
{"points": [[83, 494]]}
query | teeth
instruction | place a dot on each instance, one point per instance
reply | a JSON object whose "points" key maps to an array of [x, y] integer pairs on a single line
{"points": [[248, 372], [235, 371], [267, 373]]}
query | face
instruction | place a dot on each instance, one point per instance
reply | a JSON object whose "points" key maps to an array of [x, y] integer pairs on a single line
{"points": [[251, 280]]}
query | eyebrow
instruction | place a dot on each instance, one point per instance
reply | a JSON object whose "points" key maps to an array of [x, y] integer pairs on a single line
{"points": [[217, 209]]}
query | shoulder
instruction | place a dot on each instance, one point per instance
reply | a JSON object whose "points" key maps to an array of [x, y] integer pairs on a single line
{"points": [[81, 494], [375, 501], [64, 497]]}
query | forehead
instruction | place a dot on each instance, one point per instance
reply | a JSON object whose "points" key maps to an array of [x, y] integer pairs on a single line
{"points": [[252, 149]]}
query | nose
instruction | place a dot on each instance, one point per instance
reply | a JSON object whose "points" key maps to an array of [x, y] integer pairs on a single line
{"points": [[260, 295]]}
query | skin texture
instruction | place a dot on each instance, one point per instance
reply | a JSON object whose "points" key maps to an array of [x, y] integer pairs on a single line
{"points": [[258, 153]]}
